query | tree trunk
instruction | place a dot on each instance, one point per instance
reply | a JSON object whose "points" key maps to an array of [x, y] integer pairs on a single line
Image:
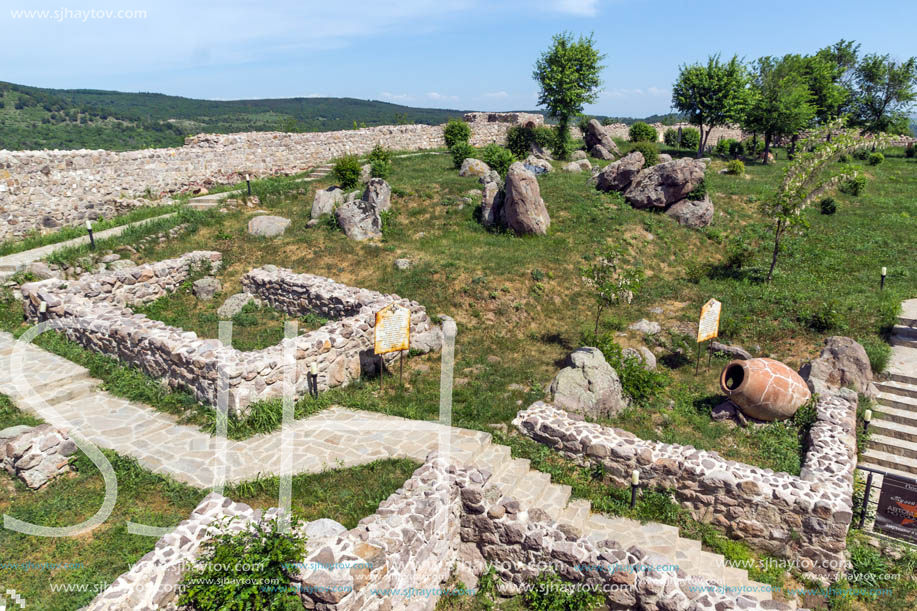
{"points": [[598, 317], [792, 152], [700, 144], [767, 148], [777, 233]]}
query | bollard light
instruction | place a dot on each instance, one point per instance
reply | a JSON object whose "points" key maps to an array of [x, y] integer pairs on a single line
{"points": [[882, 283], [634, 484], [88, 225], [867, 418], [635, 478], [92, 241], [313, 369]]}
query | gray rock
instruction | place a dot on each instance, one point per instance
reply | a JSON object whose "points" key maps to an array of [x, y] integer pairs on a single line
{"points": [[644, 354], [588, 385], [524, 210], [110, 258], [492, 197], [473, 167], [597, 136], [733, 352], [14, 431], [366, 172], [234, 304], [663, 158], [205, 288], [403, 263], [617, 176], [268, 226], [600, 152], [326, 200], [582, 165], [40, 270], [540, 152], [120, 264], [536, 162], [577, 155], [645, 326], [359, 220], [843, 363], [323, 528], [378, 193], [664, 184], [692, 213]]}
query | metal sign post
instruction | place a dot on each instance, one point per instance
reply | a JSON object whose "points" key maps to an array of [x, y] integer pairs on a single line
{"points": [[392, 334], [708, 326]]}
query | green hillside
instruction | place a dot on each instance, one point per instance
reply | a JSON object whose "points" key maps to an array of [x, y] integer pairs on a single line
{"points": [[35, 118]]}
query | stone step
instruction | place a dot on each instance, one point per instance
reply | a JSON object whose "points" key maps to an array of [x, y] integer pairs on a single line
{"points": [[905, 330], [507, 480], [530, 487], [893, 445], [891, 470], [905, 341], [576, 513], [76, 389], [889, 428], [886, 460], [899, 402], [896, 387], [908, 315], [493, 458], [893, 414], [553, 500]]}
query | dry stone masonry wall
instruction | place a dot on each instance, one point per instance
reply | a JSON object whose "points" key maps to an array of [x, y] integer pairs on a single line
{"points": [[95, 312], [44, 190], [36, 455], [802, 518]]}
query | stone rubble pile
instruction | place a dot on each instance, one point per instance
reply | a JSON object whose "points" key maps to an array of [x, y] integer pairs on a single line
{"points": [[94, 312], [803, 518], [36, 455]]}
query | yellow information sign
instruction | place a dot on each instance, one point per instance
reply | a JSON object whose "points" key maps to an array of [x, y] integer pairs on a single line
{"points": [[709, 325], [393, 329]]}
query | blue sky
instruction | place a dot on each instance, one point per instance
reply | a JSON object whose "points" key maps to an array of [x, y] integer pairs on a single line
{"points": [[466, 54]]}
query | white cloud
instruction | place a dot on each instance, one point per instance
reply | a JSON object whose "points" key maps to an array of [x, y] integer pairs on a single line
{"points": [[496, 95], [398, 97], [439, 97], [620, 92], [582, 8]]}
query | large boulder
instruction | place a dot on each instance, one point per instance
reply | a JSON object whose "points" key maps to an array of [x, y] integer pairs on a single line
{"points": [[581, 165], [523, 208], [378, 194], [665, 184], [536, 162], [234, 304], [326, 200], [36, 454], [577, 155], [359, 220], [617, 176], [588, 385], [492, 200], [473, 167], [597, 136], [268, 226], [205, 288], [843, 363], [600, 152], [692, 213]]}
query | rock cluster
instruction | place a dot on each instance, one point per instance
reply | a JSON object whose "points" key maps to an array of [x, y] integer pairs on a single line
{"points": [[803, 518], [473, 167], [361, 219], [517, 204], [599, 142], [45, 190], [588, 385], [94, 312], [665, 186], [36, 455]]}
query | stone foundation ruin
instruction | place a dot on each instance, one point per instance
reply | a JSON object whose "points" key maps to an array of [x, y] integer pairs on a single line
{"points": [[94, 311]]}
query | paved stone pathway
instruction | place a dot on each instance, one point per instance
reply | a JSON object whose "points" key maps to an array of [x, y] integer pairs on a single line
{"points": [[334, 438], [893, 443], [10, 264]]}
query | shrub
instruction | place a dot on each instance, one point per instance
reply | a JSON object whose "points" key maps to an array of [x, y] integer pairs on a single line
{"points": [[823, 317], [520, 139], [638, 382], [828, 205], [649, 150], [238, 570], [456, 131], [582, 122], [753, 146], [844, 158], [380, 160], [861, 154], [875, 158], [641, 132], [878, 351], [723, 146], [735, 167], [910, 151], [690, 138], [853, 186], [548, 592], [347, 171], [736, 148], [670, 137], [699, 192], [461, 152], [498, 158]]}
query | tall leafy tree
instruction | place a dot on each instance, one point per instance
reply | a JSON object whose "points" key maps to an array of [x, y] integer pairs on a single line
{"points": [[886, 88], [780, 102], [711, 95], [568, 75]]}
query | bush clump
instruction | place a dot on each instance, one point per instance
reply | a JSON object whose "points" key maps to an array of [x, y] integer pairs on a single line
{"points": [[380, 161], [456, 131], [460, 152], [520, 139], [347, 171], [690, 138], [548, 592], [910, 152], [735, 167], [498, 158], [828, 205], [853, 186], [650, 152], [724, 146], [699, 192], [641, 132], [639, 383], [245, 570], [875, 158], [670, 137]]}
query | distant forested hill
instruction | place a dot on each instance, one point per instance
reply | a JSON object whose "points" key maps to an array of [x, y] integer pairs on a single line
{"points": [[35, 118]]}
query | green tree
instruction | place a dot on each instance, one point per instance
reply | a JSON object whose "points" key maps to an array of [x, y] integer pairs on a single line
{"points": [[811, 174], [610, 281], [886, 88], [568, 75], [711, 95], [780, 101]]}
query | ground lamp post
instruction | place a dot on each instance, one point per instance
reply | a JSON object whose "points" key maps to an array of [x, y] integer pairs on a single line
{"points": [[313, 380], [42, 311], [882, 282], [634, 484], [867, 418], [248, 183], [92, 241]]}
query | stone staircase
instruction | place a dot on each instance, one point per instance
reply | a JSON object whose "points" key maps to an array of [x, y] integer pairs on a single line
{"points": [[325, 440], [893, 442]]}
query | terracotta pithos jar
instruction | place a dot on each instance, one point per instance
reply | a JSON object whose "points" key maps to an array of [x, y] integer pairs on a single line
{"points": [[764, 388]]}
